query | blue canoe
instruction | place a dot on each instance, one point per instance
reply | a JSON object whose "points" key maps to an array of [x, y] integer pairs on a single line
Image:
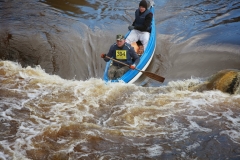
{"points": [[132, 75]]}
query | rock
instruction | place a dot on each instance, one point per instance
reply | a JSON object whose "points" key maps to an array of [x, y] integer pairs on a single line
{"points": [[226, 81]]}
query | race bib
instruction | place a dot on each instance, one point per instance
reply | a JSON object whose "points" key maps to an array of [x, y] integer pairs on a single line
{"points": [[121, 54]]}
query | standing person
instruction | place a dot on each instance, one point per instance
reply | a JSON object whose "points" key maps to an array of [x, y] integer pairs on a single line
{"points": [[141, 27], [123, 52]]}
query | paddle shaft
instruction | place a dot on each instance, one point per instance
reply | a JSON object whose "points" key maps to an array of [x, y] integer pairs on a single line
{"points": [[122, 63], [149, 74]]}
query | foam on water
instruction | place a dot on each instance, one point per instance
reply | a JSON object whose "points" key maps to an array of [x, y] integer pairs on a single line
{"points": [[89, 118], [154, 151]]}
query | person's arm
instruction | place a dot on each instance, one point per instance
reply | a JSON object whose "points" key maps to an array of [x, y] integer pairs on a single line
{"points": [[147, 23], [133, 22], [109, 54], [134, 56], [134, 19]]}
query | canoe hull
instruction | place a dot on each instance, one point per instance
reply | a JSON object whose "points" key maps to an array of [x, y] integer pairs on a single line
{"points": [[132, 75]]}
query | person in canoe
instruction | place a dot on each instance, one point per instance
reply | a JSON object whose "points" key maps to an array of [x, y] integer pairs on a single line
{"points": [[124, 53], [140, 29]]}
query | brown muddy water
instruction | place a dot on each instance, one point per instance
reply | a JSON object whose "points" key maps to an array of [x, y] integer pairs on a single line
{"points": [[54, 104]]}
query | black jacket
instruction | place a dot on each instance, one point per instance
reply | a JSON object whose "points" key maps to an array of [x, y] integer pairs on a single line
{"points": [[146, 24]]}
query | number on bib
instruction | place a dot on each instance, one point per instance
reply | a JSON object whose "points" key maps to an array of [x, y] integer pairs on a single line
{"points": [[121, 54]]}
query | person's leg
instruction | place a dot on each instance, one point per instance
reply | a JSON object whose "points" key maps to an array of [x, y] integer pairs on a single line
{"points": [[112, 71], [132, 37], [121, 71], [144, 38]]}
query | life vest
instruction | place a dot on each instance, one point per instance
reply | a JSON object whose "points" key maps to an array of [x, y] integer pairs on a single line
{"points": [[139, 19], [135, 46], [139, 49], [122, 54]]}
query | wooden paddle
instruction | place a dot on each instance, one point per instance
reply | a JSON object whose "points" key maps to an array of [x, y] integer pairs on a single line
{"points": [[148, 74]]}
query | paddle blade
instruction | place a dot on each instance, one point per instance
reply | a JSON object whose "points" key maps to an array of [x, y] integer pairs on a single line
{"points": [[153, 76]]}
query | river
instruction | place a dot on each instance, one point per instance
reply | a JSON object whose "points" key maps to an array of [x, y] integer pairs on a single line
{"points": [[54, 104]]}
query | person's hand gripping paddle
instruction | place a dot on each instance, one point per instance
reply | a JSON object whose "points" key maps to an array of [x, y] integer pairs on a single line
{"points": [[148, 74]]}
